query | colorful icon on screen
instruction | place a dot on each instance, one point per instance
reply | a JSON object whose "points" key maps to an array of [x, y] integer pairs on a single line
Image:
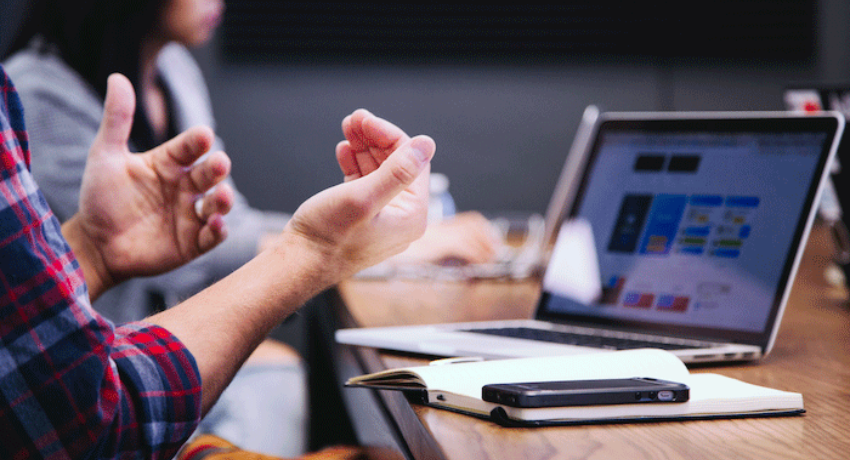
{"points": [[638, 299]]}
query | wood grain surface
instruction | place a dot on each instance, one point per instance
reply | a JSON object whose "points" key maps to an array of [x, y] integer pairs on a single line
{"points": [[811, 356]]}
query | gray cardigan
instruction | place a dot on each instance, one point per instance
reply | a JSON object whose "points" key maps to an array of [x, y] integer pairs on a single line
{"points": [[62, 114]]}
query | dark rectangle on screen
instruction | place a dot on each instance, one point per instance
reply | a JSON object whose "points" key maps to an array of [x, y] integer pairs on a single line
{"points": [[684, 163], [649, 163]]}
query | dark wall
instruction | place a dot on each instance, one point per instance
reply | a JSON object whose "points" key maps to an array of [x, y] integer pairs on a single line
{"points": [[502, 130]]}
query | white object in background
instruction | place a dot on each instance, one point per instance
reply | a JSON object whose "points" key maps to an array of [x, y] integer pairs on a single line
{"points": [[574, 269], [829, 208], [441, 204]]}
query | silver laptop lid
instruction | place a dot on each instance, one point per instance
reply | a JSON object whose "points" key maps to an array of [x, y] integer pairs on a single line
{"points": [[696, 221], [567, 186]]}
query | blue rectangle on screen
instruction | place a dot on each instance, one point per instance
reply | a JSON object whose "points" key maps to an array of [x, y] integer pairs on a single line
{"points": [[664, 301], [742, 201], [698, 231], [663, 225], [727, 253], [692, 250], [706, 200]]}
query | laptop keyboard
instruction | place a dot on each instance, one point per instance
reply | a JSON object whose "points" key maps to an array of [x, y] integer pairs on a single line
{"points": [[572, 338]]}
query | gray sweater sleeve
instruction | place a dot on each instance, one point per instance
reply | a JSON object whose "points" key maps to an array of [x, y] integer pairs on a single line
{"points": [[62, 115], [61, 129]]}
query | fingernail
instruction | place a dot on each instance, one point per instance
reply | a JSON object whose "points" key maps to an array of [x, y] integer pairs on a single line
{"points": [[421, 150]]}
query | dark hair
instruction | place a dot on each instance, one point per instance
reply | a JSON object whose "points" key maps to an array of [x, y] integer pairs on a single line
{"points": [[97, 38]]}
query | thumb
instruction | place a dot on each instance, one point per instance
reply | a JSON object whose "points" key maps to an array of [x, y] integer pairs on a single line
{"points": [[401, 170], [118, 109]]}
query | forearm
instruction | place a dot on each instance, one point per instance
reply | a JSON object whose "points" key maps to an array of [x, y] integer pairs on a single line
{"points": [[223, 324]]}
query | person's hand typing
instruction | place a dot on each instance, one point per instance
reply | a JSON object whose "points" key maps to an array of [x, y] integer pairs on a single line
{"points": [[465, 238], [138, 211]]}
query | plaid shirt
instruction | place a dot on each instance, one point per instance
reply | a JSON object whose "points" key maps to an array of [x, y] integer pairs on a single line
{"points": [[72, 385]]}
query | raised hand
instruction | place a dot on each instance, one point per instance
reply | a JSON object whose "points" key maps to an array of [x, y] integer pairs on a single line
{"points": [[382, 205], [138, 211]]}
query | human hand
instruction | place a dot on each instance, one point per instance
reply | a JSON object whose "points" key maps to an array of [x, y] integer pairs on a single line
{"points": [[137, 212], [379, 209], [465, 238]]}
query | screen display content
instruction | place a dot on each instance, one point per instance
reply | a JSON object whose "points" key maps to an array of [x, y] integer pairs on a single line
{"points": [[690, 228]]}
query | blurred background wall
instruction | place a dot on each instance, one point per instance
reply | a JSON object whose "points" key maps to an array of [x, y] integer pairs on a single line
{"points": [[503, 116]]}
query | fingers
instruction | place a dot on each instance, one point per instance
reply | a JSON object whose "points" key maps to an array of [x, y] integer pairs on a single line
{"points": [[480, 249], [364, 130], [212, 233], [220, 201], [463, 239], [381, 133], [367, 162], [347, 161], [185, 148], [210, 210], [118, 110], [210, 172], [369, 141], [479, 238], [352, 129], [401, 170]]}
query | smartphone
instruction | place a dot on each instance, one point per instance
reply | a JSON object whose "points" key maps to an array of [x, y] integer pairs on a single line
{"points": [[586, 392]]}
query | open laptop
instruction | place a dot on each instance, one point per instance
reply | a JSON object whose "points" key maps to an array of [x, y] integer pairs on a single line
{"points": [[691, 227]]}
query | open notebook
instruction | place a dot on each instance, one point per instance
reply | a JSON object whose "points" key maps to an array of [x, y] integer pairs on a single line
{"points": [[684, 233], [458, 387]]}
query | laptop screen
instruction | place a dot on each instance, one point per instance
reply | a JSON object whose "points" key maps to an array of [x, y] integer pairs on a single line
{"points": [[694, 224]]}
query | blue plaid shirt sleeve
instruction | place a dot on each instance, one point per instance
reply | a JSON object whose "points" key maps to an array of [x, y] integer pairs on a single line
{"points": [[72, 385]]}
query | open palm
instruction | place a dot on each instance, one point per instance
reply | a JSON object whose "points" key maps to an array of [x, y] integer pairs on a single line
{"points": [[139, 209]]}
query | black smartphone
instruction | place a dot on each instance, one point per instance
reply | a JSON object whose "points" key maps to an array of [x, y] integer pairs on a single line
{"points": [[586, 392]]}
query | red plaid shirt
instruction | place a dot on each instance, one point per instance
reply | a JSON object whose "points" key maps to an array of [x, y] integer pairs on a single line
{"points": [[72, 385]]}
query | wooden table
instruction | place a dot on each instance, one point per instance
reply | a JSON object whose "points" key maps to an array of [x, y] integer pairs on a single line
{"points": [[811, 356]]}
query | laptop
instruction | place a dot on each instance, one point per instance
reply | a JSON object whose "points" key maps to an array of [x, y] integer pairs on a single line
{"points": [[688, 229]]}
